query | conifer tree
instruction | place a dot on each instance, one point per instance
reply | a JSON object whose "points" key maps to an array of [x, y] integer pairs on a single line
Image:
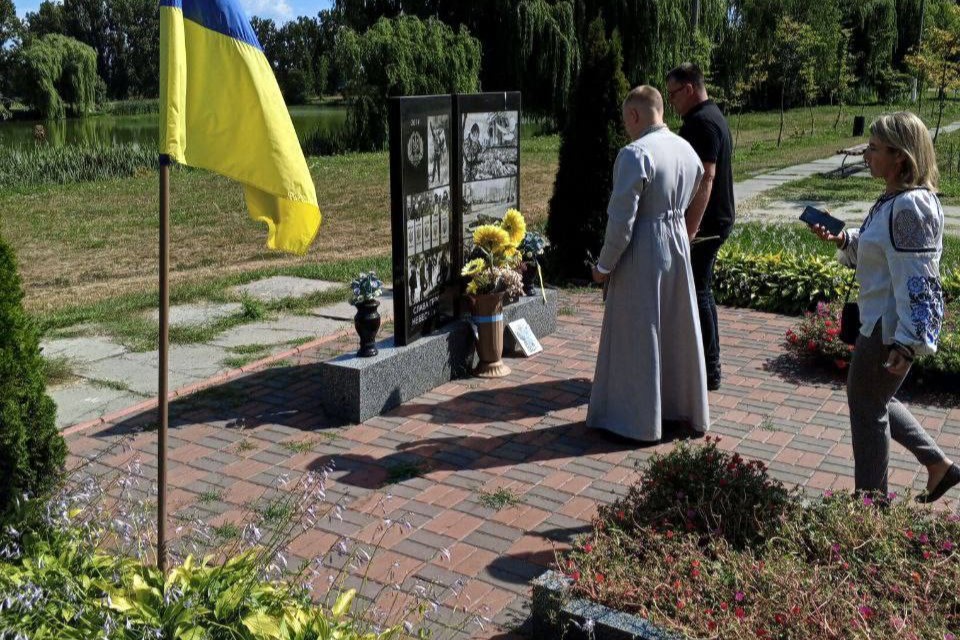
{"points": [[32, 451], [590, 142]]}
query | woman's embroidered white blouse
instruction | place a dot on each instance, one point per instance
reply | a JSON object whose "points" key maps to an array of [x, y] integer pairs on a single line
{"points": [[897, 256]]}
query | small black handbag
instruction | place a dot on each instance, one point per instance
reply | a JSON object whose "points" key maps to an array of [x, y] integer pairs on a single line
{"points": [[850, 317]]}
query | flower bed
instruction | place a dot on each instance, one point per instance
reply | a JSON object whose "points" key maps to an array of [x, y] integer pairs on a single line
{"points": [[815, 338], [707, 545]]}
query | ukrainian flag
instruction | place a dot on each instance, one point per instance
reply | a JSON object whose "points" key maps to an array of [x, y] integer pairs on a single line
{"points": [[221, 109]]}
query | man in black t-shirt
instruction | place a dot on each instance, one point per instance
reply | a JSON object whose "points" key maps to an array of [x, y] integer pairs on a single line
{"points": [[711, 214]]}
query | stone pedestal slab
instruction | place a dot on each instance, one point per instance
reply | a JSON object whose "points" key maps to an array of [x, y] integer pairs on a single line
{"points": [[357, 389]]}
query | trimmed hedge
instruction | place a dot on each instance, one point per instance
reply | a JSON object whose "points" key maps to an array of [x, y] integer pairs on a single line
{"points": [[32, 451]]}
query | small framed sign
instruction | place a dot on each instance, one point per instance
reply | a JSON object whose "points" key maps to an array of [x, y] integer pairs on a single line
{"points": [[523, 334]]}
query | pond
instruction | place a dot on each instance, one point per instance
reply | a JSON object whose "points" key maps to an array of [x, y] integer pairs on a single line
{"points": [[109, 130]]}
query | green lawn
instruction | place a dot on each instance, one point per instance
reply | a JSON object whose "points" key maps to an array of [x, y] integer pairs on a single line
{"points": [[862, 187], [88, 244]]}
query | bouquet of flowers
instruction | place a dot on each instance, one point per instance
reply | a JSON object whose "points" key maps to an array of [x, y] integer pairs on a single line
{"points": [[494, 269], [532, 246], [367, 286]]}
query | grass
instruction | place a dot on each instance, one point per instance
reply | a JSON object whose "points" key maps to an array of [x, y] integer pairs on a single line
{"points": [[126, 317], [208, 497], [405, 471], [97, 241], [300, 446], [499, 499], [244, 446], [276, 511], [862, 187], [227, 531], [58, 370]]}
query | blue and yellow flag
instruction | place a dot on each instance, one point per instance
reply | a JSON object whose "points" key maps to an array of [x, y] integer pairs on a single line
{"points": [[221, 109]]}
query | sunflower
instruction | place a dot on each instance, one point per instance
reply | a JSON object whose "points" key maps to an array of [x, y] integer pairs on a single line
{"points": [[474, 267], [514, 224], [472, 287], [490, 238]]}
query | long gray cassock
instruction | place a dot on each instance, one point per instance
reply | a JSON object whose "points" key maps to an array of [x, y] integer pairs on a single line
{"points": [[650, 365]]}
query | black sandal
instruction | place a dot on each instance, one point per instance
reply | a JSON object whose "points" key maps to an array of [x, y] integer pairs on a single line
{"points": [[949, 480]]}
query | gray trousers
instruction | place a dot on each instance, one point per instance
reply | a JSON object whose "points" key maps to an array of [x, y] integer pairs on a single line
{"points": [[876, 416]]}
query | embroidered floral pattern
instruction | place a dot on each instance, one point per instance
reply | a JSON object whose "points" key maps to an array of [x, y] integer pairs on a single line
{"points": [[926, 307], [912, 231]]}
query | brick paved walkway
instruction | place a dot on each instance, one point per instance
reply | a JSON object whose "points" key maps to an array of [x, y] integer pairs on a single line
{"points": [[524, 433]]}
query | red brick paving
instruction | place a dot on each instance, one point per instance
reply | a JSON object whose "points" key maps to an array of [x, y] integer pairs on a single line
{"points": [[524, 433]]}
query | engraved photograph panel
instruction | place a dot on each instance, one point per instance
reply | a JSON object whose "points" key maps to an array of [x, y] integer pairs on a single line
{"points": [[485, 202], [491, 145], [438, 151], [422, 149]]}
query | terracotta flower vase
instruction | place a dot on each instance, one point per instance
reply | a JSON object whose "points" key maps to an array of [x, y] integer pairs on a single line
{"points": [[367, 323], [488, 316]]}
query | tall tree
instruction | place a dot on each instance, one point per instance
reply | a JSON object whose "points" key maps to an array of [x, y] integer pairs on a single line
{"points": [[588, 148], [549, 55], [938, 61], [396, 57], [48, 18], [56, 75]]}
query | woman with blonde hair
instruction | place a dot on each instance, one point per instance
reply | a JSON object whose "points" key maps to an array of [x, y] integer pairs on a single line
{"points": [[896, 253]]}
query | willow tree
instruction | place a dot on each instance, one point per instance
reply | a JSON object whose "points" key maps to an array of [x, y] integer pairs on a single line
{"points": [[56, 75], [403, 56], [874, 37], [549, 57], [589, 145], [657, 35]]}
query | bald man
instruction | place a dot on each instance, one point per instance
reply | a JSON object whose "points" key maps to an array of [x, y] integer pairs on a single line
{"points": [[650, 367]]}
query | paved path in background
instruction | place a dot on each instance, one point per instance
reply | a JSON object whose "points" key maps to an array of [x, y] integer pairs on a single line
{"points": [[758, 185], [524, 433], [853, 213]]}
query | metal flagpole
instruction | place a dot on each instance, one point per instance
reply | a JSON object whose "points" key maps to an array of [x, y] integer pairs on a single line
{"points": [[164, 354]]}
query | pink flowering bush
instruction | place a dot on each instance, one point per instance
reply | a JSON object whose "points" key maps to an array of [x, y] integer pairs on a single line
{"points": [[835, 567], [817, 336]]}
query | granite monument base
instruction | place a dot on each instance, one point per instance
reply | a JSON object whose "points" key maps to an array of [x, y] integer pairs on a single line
{"points": [[357, 389]]}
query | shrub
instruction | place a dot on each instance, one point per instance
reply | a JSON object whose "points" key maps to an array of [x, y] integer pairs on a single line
{"points": [[834, 567], [778, 282], [588, 149], [32, 452], [704, 491], [815, 337], [59, 587]]}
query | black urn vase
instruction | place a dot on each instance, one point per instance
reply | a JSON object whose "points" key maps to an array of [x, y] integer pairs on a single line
{"points": [[367, 323], [529, 276]]}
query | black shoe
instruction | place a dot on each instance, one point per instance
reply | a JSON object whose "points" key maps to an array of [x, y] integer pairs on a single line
{"points": [[949, 480], [713, 384]]}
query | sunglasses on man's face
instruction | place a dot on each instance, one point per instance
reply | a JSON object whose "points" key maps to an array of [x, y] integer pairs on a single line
{"points": [[671, 93]]}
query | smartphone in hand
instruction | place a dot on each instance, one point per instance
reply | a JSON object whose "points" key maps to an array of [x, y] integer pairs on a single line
{"points": [[814, 216]]}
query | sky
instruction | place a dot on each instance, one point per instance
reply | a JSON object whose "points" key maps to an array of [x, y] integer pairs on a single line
{"points": [[279, 10]]}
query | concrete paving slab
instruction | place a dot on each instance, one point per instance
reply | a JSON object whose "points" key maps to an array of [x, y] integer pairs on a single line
{"points": [[82, 349], [138, 372], [199, 314], [198, 360], [281, 287], [85, 401], [281, 331], [346, 311]]}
